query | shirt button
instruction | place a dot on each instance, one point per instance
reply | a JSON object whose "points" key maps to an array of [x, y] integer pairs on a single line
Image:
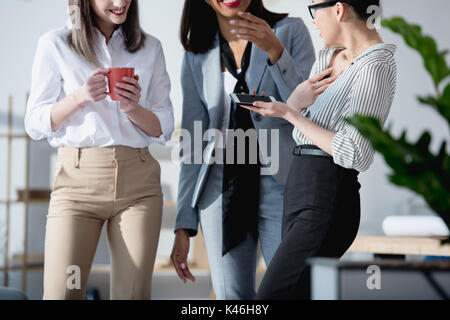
{"points": [[284, 71]]}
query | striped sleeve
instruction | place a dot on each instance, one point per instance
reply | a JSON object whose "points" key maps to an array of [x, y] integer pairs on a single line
{"points": [[372, 95]]}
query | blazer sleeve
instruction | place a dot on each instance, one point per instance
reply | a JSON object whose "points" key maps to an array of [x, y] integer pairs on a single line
{"points": [[295, 63], [193, 111]]}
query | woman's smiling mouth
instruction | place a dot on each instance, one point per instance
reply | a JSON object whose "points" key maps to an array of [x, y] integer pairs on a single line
{"points": [[118, 12]]}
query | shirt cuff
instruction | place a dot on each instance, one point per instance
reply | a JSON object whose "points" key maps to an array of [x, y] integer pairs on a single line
{"points": [[187, 220], [46, 119], [166, 122], [338, 145]]}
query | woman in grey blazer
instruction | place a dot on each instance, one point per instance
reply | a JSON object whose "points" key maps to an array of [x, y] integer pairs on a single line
{"points": [[235, 46]]}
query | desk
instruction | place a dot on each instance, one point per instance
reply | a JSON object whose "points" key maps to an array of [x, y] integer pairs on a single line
{"points": [[400, 246], [354, 280]]}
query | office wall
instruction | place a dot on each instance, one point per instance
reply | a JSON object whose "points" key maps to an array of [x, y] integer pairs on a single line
{"points": [[23, 21]]}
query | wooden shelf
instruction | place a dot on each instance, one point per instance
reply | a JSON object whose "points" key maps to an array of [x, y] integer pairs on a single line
{"points": [[19, 201], [14, 136]]}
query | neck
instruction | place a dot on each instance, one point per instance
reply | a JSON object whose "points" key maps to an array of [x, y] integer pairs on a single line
{"points": [[359, 40], [237, 45], [106, 29], [225, 29]]}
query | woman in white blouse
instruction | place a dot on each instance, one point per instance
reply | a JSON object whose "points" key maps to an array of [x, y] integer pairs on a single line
{"points": [[104, 170], [321, 200]]}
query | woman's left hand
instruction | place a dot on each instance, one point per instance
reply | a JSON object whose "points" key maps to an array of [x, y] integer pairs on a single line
{"points": [[129, 93], [271, 109], [259, 32]]}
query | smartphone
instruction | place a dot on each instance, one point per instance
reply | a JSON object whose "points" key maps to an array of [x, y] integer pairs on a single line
{"points": [[248, 99]]}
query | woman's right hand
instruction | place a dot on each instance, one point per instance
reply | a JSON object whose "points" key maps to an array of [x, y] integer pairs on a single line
{"points": [[179, 255], [307, 92], [94, 89]]}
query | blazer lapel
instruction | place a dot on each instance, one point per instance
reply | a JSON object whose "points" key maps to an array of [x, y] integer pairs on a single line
{"points": [[213, 82]]}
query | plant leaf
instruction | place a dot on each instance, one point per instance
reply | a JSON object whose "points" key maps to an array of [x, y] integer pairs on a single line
{"points": [[413, 165], [434, 60]]}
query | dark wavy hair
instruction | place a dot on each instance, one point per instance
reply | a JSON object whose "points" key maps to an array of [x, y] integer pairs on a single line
{"points": [[199, 23], [81, 40]]}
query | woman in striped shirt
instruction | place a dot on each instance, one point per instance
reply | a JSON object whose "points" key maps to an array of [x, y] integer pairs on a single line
{"points": [[354, 74]]}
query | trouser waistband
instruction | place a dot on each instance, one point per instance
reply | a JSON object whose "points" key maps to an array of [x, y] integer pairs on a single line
{"points": [[100, 154]]}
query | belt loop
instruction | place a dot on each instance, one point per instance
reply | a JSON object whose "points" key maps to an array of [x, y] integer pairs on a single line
{"points": [[77, 157], [141, 154]]}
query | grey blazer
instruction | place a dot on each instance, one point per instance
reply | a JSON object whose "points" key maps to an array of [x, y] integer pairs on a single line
{"points": [[203, 100]]}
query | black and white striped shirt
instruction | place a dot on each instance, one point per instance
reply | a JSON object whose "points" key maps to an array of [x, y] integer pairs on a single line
{"points": [[367, 87]]}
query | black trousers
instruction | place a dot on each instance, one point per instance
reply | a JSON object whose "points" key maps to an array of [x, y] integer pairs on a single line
{"points": [[320, 219]]}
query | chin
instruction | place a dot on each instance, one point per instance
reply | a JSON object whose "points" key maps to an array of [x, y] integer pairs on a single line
{"points": [[329, 43], [116, 20], [230, 12]]}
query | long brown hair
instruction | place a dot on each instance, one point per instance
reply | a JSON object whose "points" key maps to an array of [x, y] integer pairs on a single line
{"points": [[199, 23], [81, 37]]}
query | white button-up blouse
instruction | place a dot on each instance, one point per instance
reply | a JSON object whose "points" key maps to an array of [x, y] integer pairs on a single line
{"points": [[58, 71]]}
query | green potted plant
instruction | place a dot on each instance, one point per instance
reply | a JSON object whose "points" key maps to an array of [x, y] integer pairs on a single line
{"points": [[413, 165]]}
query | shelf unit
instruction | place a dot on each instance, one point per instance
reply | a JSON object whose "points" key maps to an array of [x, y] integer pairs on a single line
{"points": [[10, 137]]}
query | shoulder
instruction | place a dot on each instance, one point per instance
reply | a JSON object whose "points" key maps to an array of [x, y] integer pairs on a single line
{"points": [[328, 52], [152, 44], [151, 40], [55, 37], [325, 55], [293, 31], [379, 59], [378, 68], [290, 24], [196, 60]]}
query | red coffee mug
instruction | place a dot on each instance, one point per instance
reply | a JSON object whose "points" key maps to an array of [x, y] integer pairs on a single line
{"points": [[115, 75]]}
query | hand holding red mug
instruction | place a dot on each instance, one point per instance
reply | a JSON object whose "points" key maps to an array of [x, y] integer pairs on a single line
{"points": [[129, 93], [123, 85], [94, 89]]}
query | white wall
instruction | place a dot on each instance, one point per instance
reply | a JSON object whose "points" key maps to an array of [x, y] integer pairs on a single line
{"points": [[23, 21]]}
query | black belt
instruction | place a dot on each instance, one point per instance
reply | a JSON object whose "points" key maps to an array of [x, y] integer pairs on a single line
{"points": [[310, 150]]}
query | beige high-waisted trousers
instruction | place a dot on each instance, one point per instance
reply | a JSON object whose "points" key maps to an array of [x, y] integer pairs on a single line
{"points": [[120, 186]]}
